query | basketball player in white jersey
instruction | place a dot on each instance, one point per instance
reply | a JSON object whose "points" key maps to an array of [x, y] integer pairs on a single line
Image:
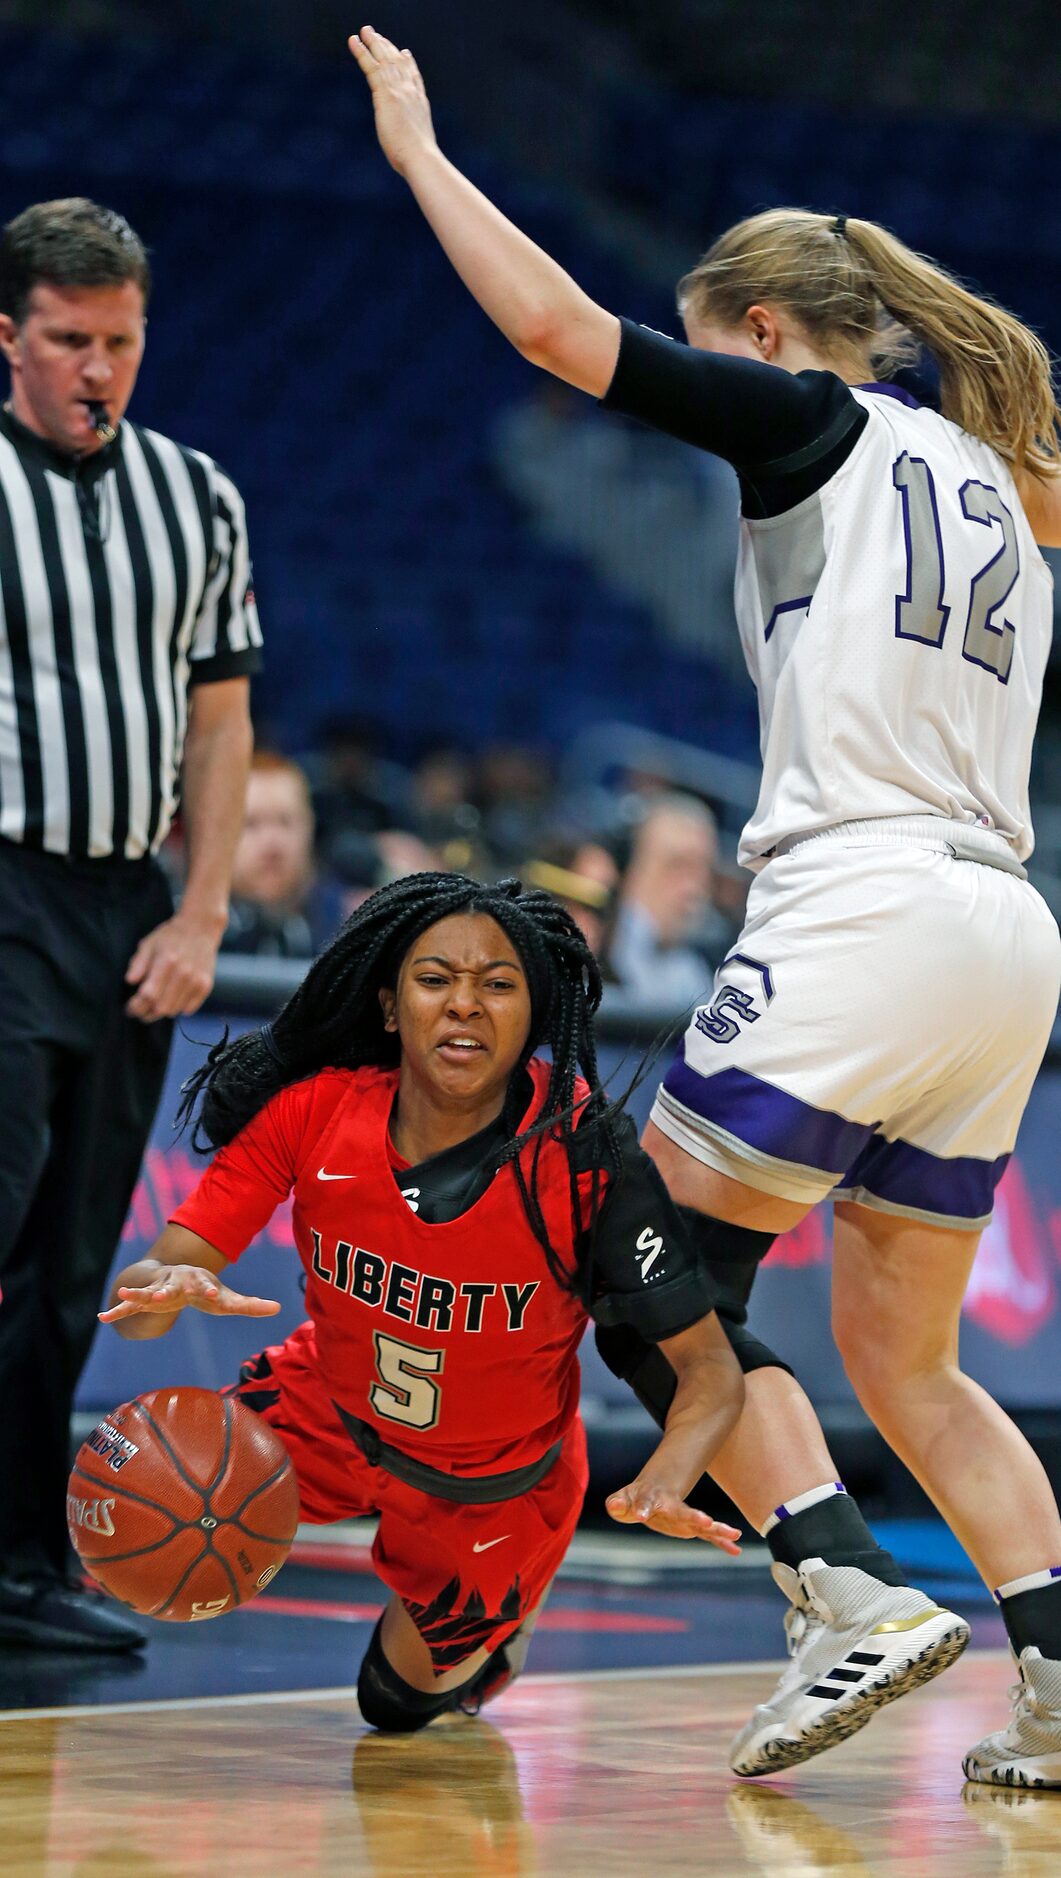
{"points": [[877, 1028]]}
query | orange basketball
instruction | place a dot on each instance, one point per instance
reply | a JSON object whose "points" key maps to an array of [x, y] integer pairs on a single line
{"points": [[182, 1504]]}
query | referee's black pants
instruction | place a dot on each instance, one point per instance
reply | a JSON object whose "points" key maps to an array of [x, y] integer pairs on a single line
{"points": [[79, 1085]]}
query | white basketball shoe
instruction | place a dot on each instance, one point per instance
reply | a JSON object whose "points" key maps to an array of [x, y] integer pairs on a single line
{"points": [[1028, 1752], [855, 1644]]}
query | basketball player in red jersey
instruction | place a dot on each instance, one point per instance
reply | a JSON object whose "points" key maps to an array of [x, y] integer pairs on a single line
{"points": [[461, 1207]]}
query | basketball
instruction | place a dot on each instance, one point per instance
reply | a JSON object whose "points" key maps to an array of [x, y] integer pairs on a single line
{"points": [[182, 1504]]}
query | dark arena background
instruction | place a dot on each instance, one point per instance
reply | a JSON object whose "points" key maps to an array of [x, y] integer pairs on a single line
{"points": [[498, 625]]}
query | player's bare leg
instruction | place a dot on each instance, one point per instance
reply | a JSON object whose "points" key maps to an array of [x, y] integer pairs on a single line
{"points": [[897, 1292], [858, 1637], [399, 1690], [898, 1287], [407, 1653]]}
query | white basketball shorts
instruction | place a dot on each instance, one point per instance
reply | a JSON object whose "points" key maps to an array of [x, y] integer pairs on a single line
{"points": [[876, 1029]]}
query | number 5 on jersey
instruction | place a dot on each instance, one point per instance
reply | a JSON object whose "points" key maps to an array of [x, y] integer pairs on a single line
{"points": [[920, 612], [406, 1393]]}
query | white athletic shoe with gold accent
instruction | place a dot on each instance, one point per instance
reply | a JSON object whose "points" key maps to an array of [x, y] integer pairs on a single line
{"points": [[1028, 1752], [855, 1644]]}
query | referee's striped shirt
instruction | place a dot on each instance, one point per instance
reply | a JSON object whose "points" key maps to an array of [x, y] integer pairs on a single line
{"points": [[124, 578]]}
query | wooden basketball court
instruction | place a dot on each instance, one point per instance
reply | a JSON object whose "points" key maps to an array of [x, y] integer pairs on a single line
{"points": [[610, 1773]]}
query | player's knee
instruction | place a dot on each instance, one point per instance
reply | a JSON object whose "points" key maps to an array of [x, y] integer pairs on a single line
{"points": [[867, 1363], [884, 1371], [387, 1701]]}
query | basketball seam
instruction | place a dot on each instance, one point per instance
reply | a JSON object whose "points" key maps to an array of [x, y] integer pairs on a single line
{"points": [[223, 1562], [195, 1485], [225, 1452], [249, 1532], [255, 1491], [119, 1558], [163, 1603], [127, 1494]]}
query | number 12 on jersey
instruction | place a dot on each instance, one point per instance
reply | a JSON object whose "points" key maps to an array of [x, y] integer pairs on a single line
{"points": [[920, 612]]}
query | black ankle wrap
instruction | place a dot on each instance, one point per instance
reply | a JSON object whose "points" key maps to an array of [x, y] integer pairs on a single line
{"points": [[834, 1530]]}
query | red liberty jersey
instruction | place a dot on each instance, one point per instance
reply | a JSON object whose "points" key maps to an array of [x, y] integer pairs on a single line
{"points": [[453, 1340]]}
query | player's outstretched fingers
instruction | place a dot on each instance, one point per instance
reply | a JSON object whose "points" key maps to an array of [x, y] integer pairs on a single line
{"points": [[184, 1287], [233, 1304], [667, 1513]]}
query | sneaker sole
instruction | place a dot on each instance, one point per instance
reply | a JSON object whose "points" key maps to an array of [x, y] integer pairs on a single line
{"points": [[846, 1719], [1009, 1774]]}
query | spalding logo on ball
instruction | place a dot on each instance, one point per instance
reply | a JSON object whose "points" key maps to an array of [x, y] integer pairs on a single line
{"points": [[182, 1504]]}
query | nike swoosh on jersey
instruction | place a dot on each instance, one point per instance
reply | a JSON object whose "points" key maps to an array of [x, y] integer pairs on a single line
{"points": [[321, 1175], [485, 1546]]}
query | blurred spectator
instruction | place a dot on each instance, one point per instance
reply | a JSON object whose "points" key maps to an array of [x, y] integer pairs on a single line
{"points": [[365, 862], [444, 811], [353, 786], [583, 876], [443, 783], [514, 793], [281, 908], [668, 936]]}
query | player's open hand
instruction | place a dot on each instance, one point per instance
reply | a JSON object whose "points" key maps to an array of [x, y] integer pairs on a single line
{"points": [[184, 1287], [403, 114], [642, 1504]]}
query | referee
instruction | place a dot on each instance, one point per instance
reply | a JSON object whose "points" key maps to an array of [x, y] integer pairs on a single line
{"points": [[127, 636]]}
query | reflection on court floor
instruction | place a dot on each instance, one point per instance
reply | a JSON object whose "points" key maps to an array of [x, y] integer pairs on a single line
{"points": [[601, 1776], [236, 1747]]}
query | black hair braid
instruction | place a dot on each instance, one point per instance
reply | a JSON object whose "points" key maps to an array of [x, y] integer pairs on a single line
{"points": [[334, 1020]]}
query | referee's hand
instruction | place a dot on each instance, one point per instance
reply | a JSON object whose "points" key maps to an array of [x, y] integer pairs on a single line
{"points": [[172, 970]]}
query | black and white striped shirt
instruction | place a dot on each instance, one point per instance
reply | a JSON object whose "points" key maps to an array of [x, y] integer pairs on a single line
{"points": [[124, 578]]}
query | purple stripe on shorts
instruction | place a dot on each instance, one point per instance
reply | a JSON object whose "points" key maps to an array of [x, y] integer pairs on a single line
{"points": [[962, 1188], [767, 1118]]}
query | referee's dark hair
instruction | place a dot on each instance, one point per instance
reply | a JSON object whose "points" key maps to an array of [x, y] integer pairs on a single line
{"points": [[70, 242], [334, 1020]]}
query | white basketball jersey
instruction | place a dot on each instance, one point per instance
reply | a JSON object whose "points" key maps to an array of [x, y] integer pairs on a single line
{"points": [[896, 625]]}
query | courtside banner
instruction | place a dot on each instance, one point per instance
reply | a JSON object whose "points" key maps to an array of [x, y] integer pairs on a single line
{"points": [[1011, 1332]]}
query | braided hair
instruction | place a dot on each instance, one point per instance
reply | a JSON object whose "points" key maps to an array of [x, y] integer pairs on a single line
{"points": [[334, 1020]]}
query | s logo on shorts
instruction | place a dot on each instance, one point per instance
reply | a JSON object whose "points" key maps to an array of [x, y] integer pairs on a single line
{"points": [[722, 1019], [714, 1022]]}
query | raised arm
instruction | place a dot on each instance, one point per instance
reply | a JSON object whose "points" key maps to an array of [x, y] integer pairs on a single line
{"points": [[535, 303], [768, 422]]}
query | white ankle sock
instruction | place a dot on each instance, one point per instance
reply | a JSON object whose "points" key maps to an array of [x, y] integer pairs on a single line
{"points": [[801, 1503], [1032, 1581]]}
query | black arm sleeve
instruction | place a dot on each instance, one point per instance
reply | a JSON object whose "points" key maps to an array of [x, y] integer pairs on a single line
{"points": [[784, 433], [645, 1271], [244, 662]]}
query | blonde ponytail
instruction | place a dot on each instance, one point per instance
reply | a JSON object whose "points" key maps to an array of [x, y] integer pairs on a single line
{"points": [[859, 292]]}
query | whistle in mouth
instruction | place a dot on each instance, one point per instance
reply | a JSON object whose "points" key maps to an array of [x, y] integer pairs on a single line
{"points": [[101, 424]]}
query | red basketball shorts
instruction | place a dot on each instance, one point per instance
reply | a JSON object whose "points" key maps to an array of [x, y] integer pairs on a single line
{"points": [[467, 1575]]}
